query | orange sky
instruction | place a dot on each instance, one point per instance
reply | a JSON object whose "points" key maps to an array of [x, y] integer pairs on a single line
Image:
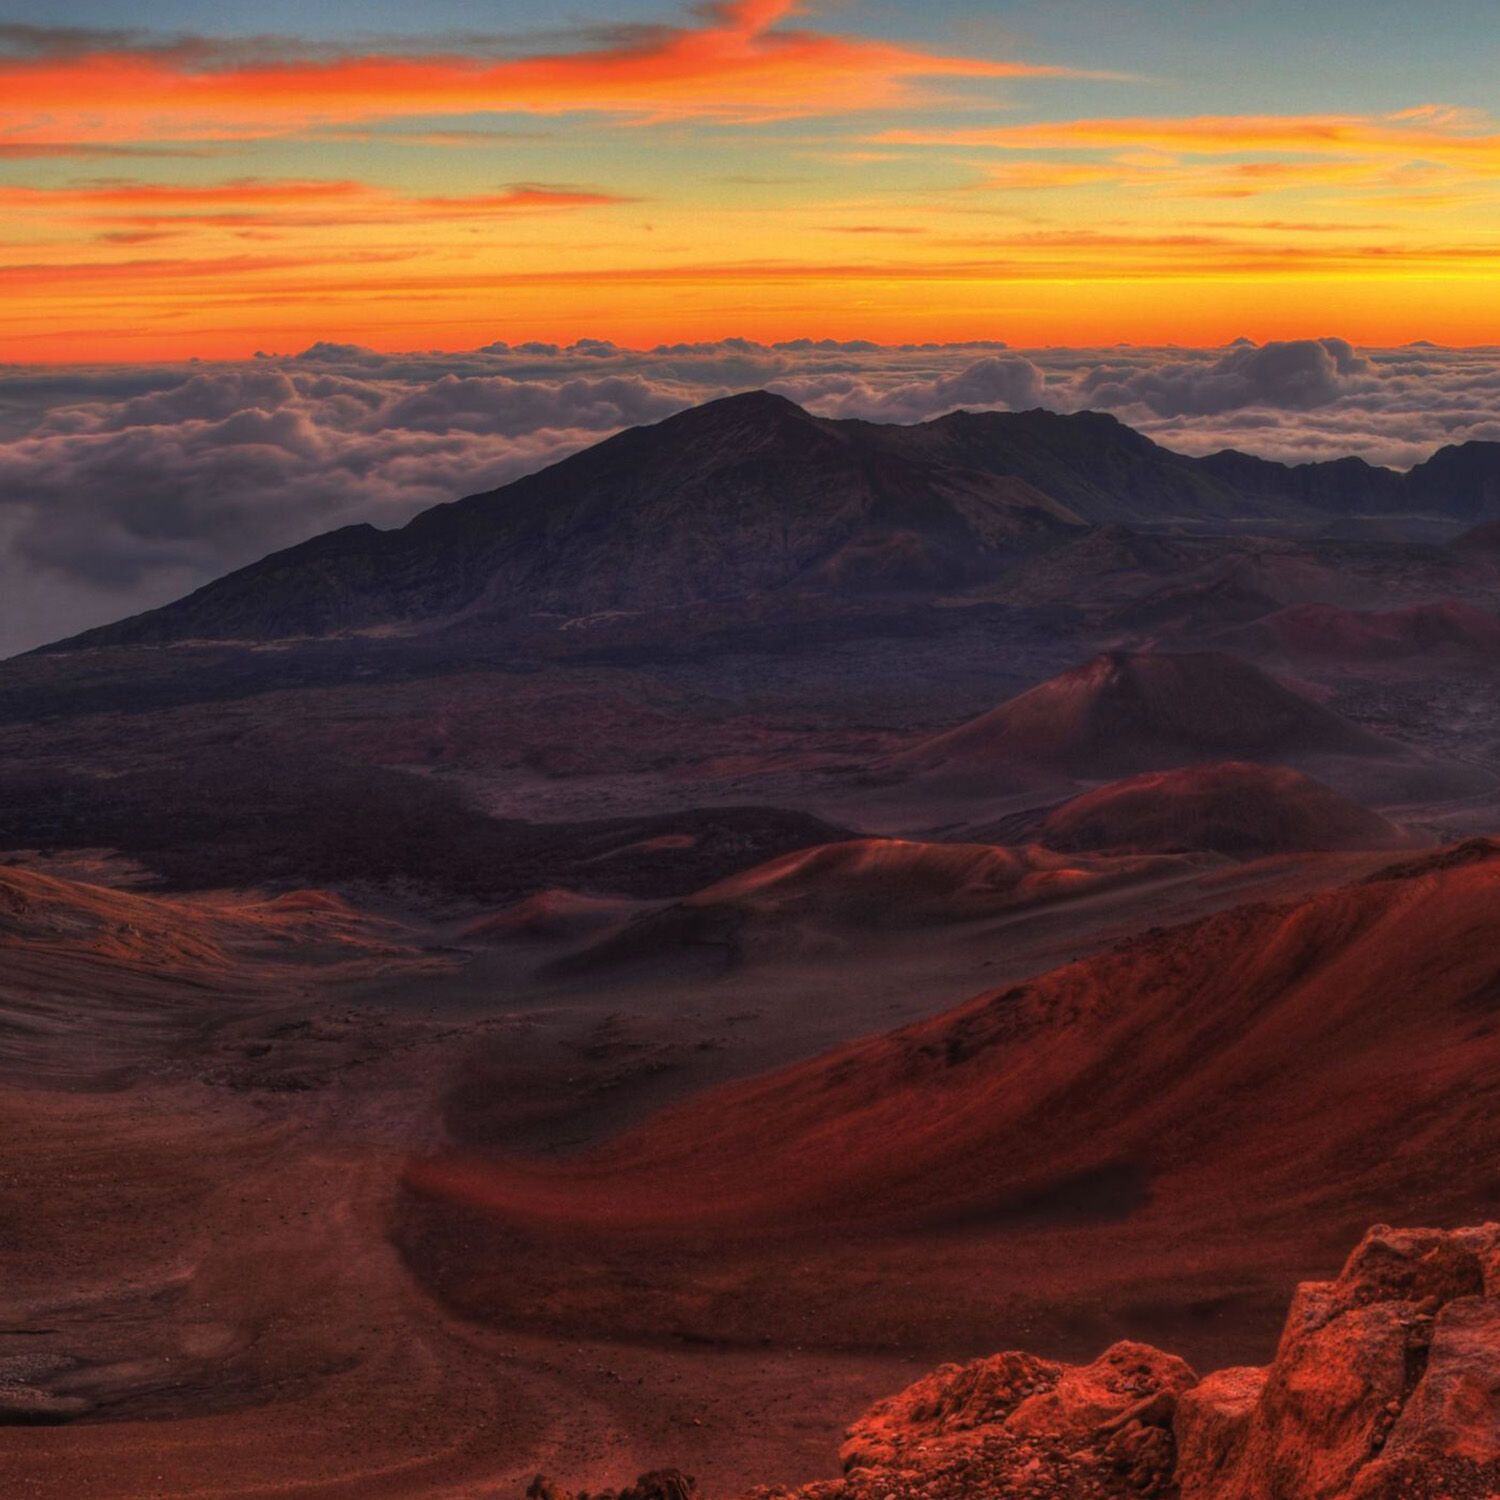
{"points": [[747, 168]]}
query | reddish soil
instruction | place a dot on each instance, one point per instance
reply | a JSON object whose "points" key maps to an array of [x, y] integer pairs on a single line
{"points": [[206, 1146], [830, 897], [1126, 712], [1233, 807], [1142, 1142]]}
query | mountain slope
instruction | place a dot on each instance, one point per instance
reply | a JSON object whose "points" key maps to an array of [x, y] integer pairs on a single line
{"points": [[1233, 808], [732, 498], [1125, 712], [1187, 1109], [828, 896], [1089, 460]]}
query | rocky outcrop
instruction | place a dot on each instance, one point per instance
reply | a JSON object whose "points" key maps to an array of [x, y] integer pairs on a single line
{"points": [[1015, 1424], [1385, 1386]]}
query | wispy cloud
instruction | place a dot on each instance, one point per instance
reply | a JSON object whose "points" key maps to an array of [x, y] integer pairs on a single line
{"points": [[33, 150], [1429, 133], [739, 60], [1229, 156], [119, 204]]}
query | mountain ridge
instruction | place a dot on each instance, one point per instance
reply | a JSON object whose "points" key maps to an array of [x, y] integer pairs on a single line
{"points": [[752, 494]]}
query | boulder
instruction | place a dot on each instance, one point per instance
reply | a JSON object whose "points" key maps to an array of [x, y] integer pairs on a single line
{"points": [[1212, 1421], [1389, 1373]]}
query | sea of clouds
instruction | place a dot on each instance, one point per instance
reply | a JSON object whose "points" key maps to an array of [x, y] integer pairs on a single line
{"points": [[124, 487]]}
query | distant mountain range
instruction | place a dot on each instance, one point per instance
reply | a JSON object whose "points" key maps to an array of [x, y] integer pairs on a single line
{"points": [[751, 494]]}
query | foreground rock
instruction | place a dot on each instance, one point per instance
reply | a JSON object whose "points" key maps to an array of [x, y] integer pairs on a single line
{"points": [[1385, 1386]]}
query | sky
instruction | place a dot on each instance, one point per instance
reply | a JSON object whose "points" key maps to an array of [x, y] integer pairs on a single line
{"points": [[1074, 172]]}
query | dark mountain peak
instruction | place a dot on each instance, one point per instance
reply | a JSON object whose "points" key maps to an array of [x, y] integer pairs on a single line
{"points": [[756, 418], [1483, 451], [1237, 460], [758, 403]]}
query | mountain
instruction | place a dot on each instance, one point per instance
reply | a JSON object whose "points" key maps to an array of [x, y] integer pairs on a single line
{"points": [[733, 498], [1232, 808], [1447, 628], [751, 494], [1338, 485], [1124, 712], [1462, 480], [1089, 461]]}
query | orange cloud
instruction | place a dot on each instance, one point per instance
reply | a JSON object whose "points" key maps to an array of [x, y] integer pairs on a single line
{"points": [[1203, 156], [36, 150], [126, 193], [1174, 179], [741, 62], [266, 203], [40, 277], [1452, 138], [1042, 256]]}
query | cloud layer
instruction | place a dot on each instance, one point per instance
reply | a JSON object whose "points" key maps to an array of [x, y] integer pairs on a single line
{"points": [[121, 488]]}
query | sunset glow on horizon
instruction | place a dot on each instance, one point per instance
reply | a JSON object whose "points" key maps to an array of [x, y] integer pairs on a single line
{"points": [[754, 167]]}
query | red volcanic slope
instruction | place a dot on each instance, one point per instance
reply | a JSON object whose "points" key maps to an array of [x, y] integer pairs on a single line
{"points": [[44, 914], [1125, 712], [1232, 808], [550, 915], [1323, 630], [893, 881], [867, 887], [1290, 1063]]}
